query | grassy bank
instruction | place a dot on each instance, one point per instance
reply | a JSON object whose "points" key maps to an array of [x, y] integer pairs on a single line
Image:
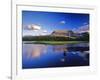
{"points": [[55, 38], [52, 42]]}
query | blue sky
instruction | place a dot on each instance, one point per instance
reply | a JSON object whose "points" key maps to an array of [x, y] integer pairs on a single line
{"points": [[50, 21]]}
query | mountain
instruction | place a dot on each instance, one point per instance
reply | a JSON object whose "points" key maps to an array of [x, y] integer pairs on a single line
{"points": [[67, 33]]}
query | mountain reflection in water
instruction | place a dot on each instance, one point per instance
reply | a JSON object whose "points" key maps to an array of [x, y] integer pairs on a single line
{"points": [[43, 56]]}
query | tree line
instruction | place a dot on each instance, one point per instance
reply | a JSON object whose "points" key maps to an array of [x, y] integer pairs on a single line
{"points": [[83, 37]]}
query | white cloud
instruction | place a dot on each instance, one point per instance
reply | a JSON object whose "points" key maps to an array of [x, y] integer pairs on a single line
{"points": [[44, 31], [84, 28], [35, 30], [62, 22], [34, 27]]}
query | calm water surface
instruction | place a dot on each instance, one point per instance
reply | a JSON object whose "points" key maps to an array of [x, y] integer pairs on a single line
{"points": [[44, 56]]}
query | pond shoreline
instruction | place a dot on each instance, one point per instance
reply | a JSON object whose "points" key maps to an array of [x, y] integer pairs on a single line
{"points": [[53, 42]]}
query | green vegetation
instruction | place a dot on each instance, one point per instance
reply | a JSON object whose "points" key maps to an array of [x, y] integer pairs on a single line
{"points": [[46, 38], [84, 37], [52, 42], [49, 39]]}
